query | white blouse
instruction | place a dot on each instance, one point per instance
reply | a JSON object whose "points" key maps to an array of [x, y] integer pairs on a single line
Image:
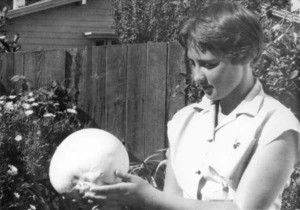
{"points": [[208, 161]]}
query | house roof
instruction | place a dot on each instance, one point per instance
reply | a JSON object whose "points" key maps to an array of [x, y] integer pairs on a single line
{"points": [[100, 34], [39, 6]]}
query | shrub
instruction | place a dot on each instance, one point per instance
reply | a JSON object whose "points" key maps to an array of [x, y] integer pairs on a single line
{"points": [[6, 44], [139, 21], [152, 169], [33, 123], [278, 69]]}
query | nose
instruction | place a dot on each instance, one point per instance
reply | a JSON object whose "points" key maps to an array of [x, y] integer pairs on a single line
{"points": [[198, 75]]}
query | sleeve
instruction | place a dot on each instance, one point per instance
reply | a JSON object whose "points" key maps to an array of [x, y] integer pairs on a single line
{"points": [[176, 124], [280, 121], [180, 118]]}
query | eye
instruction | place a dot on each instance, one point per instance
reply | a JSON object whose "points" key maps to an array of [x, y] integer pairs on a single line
{"points": [[209, 65]]}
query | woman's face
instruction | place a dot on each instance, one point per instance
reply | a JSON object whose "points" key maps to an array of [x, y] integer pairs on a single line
{"points": [[216, 76]]}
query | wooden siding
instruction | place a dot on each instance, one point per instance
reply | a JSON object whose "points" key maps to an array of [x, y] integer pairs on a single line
{"points": [[129, 90], [62, 27]]}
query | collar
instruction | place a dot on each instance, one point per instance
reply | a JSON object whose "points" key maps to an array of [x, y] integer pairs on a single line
{"points": [[205, 105], [249, 106], [252, 102]]}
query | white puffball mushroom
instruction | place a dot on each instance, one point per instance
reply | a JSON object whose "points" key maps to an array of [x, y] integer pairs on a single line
{"points": [[87, 157]]}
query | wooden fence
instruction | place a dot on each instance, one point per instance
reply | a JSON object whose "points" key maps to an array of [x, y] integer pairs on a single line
{"points": [[128, 90]]}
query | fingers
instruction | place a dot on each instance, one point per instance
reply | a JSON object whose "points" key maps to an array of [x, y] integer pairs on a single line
{"points": [[92, 196], [111, 200], [109, 189], [82, 188]]}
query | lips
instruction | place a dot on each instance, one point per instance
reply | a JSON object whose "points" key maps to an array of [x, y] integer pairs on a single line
{"points": [[206, 87]]}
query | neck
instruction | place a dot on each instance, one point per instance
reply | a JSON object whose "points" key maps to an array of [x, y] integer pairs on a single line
{"points": [[229, 103]]}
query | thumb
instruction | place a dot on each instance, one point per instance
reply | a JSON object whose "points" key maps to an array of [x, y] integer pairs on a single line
{"points": [[126, 177]]}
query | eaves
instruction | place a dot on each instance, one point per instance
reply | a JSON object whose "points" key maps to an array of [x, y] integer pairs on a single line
{"points": [[39, 6]]}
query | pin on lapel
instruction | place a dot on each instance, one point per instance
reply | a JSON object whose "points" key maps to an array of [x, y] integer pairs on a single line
{"points": [[236, 144]]}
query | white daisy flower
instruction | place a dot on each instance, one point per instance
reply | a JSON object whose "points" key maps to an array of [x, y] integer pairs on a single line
{"points": [[26, 106], [9, 106], [32, 207], [18, 138], [31, 100], [28, 112], [17, 195], [34, 104], [12, 170], [12, 97], [49, 115], [72, 111]]}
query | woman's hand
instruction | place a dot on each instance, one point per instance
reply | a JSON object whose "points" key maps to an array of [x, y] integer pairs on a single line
{"points": [[132, 191]]}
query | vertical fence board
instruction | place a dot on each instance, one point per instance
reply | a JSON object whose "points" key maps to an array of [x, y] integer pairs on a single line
{"points": [[19, 63], [6, 72], [176, 79], [88, 82], [19, 66], [82, 62], [136, 79], [116, 90], [55, 64], [78, 74], [81, 77], [99, 72], [94, 80], [155, 96], [34, 66]]}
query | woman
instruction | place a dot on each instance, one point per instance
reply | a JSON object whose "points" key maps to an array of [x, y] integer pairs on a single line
{"points": [[237, 148]]}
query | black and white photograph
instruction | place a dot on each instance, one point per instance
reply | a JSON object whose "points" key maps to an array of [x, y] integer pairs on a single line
{"points": [[149, 104]]}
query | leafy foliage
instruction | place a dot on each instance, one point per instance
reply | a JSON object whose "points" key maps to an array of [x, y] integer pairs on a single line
{"points": [[151, 169], [33, 123], [9, 45], [279, 66], [6, 44], [138, 21]]}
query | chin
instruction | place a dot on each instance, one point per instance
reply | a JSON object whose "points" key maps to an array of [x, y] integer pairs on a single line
{"points": [[212, 97]]}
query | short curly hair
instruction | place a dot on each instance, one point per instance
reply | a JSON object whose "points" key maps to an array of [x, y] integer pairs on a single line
{"points": [[225, 29]]}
